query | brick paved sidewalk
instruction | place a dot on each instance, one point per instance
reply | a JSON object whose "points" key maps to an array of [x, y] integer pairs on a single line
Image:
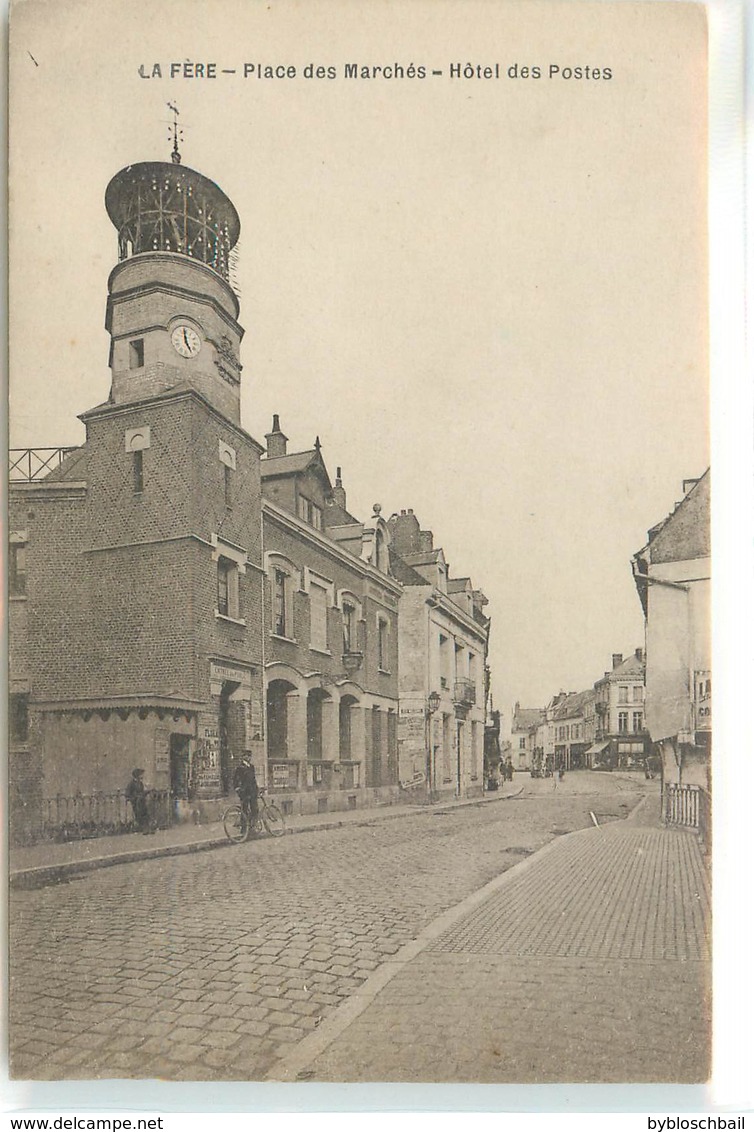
{"points": [[588, 962], [47, 862]]}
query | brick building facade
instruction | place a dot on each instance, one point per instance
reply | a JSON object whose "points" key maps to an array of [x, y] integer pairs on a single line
{"points": [[330, 640]]}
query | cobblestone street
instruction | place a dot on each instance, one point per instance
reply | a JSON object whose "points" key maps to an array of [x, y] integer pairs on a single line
{"points": [[590, 965], [214, 966]]}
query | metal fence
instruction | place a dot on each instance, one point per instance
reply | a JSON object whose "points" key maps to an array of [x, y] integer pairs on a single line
{"points": [[28, 464], [688, 806], [100, 815]]}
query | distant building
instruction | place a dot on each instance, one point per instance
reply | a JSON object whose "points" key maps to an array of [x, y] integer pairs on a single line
{"points": [[524, 734], [443, 639], [621, 738], [672, 575], [568, 723]]}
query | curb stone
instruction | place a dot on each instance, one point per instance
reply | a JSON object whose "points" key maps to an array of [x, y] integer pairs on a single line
{"points": [[40, 876]]}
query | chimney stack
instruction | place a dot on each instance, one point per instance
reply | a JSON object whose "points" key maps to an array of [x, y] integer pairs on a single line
{"points": [[404, 532], [639, 654], [277, 441], [617, 659], [339, 492]]}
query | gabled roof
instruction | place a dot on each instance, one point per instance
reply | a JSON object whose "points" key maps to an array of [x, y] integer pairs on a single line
{"points": [[631, 666], [293, 464], [287, 465], [526, 718], [573, 704], [337, 516], [685, 532], [459, 585], [405, 573]]}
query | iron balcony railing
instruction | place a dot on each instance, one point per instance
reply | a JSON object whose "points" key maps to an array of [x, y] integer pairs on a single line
{"points": [[100, 815], [464, 692], [26, 465]]}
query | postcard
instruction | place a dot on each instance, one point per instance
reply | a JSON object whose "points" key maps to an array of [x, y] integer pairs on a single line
{"points": [[359, 552]]}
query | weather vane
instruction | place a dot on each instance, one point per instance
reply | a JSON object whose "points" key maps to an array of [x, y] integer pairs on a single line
{"points": [[175, 133]]}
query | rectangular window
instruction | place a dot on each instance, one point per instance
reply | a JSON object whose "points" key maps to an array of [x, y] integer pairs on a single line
{"points": [[17, 569], [316, 517], [227, 589], [383, 651], [638, 694], [223, 571], [138, 459], [302, 507], [622, 695], [19, 716], [443, 660], [228, 484], [623, 721], [637, 721], [136, 353], [280, 583], [318, 613], [349, 628], [522, 744]]}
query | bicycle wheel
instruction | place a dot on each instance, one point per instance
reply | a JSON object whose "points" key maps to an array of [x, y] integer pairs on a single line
{"points": [[235, 824], [274, 822]]}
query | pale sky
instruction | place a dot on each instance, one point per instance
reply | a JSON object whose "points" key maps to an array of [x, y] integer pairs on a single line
{"points": [[487, 297]]}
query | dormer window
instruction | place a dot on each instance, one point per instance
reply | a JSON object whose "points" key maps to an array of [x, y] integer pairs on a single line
{"points": [[309, 512]]}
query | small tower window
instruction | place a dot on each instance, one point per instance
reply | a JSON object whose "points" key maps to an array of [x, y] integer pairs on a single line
{"points": [[136, 353], [228, 486], [228, 604], [19, 716], [138, 470], [17, 569]]}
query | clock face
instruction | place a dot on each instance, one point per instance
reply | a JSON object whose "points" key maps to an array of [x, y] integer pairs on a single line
{"points": [[186, 341]]}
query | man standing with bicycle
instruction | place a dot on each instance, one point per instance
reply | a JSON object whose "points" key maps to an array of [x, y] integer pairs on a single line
{"points": [[245, 785]]}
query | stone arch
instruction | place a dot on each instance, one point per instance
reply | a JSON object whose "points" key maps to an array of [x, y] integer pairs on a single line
{"points": [[278, 691], [345, 726]]}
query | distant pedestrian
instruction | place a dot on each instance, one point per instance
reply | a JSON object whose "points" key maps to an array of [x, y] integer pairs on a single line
{"points": [[136, 794]]}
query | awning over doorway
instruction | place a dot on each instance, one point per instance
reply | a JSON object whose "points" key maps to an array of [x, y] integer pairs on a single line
{"points": [[598, 748]]}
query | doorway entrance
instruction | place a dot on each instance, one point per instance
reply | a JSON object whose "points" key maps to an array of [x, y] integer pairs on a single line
{"points": [[179, 766]]}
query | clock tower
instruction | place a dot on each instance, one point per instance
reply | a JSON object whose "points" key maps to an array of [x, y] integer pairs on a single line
{"points": [[172, 314]]}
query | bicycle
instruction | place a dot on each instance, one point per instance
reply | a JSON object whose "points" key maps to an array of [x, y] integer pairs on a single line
{"points": [[239, 826]]}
